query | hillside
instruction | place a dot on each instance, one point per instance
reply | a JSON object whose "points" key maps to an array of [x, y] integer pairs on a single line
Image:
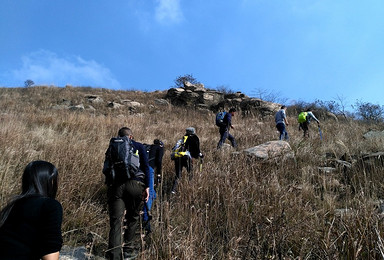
{"points": [[323, 204]]}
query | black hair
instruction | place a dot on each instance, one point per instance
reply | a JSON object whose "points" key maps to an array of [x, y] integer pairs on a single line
{"points": [[282, 107], [39, 178], [124, 131], [232, 110]]}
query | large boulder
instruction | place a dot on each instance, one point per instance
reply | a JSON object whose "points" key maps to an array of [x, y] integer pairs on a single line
{"points": [[194, 87], [94, 99], [374, 135], [114, 105], [131, 103], [161, 102], [271, 149]]}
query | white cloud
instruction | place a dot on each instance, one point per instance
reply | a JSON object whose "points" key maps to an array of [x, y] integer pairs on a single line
{"points": [[45, 67], [168, 11]]}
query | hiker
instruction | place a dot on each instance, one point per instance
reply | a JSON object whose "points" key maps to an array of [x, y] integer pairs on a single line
{"points": [[30, 224], [224, 129], [304, 119], [183, 155], [128, 185], [155, 158], [155, 153], [281, 123]]}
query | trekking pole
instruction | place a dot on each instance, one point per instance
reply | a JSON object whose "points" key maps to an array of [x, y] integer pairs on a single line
{"points": [[201, 164], [320, 133]]}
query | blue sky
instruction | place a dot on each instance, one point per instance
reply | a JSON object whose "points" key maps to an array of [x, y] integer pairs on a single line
{"points": [[299, 50]]}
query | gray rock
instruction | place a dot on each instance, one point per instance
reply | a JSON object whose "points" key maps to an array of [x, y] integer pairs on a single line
{"points": [[343, 212], [114, 105], [161, 102], [79, 107], [194, 87], [326, 169], [374, 135], [78, 253], [131, 103], [271, 149], [94, 99]]}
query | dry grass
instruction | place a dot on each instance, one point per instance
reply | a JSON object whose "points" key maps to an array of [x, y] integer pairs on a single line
{"points": [[236, 208]]}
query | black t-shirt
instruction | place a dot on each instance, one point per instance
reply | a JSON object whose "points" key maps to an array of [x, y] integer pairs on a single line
{"points": [[32, 229]]}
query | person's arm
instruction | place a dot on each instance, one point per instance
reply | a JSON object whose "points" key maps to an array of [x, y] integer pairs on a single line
{"points": [[313, 116], [229, 118], [51, 256], [146, 194], [51, 219], [284, 115]]}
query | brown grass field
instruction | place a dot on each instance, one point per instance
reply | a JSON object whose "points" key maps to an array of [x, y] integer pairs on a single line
{"points": [[236, 208]]}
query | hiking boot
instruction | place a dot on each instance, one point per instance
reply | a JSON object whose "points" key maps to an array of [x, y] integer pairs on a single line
{"points": [[131, 255]]}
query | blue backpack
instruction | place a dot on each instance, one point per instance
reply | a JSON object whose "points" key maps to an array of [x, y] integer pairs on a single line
{"points": [[220, 118]]}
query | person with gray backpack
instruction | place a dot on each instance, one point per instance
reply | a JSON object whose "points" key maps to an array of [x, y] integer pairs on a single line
{"points": [[224, 122], [281, 123], [183, 153], [126, 171]]}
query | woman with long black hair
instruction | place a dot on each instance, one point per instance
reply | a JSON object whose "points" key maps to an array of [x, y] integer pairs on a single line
{"points": [[30, 224]]}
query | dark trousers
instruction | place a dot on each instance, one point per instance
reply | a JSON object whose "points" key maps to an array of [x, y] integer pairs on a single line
{"points": [[223, 136], [180, 163], [305, 128], [283, 131], [126, 197]]}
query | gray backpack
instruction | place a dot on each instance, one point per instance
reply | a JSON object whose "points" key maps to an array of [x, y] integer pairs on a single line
{"points": [[122, 161]]}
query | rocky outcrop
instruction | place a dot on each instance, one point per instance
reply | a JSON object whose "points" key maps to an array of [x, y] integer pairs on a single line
{"points": [[196, 95]]}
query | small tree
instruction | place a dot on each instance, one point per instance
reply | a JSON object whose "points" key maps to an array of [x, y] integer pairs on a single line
{"points": [[330, 106], [28, 83], [369, 112], [342, 104], [179, 81], [269, 95], [225, 90]]}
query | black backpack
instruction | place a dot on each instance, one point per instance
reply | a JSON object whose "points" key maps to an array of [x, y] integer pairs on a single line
{"points": [[122, 161], [148, 148], [151, 151]]}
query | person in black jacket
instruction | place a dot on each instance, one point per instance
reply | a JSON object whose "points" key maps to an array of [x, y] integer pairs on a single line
{"points": [[192, 148], [30, 225], [125, 200], [155, 158]]}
